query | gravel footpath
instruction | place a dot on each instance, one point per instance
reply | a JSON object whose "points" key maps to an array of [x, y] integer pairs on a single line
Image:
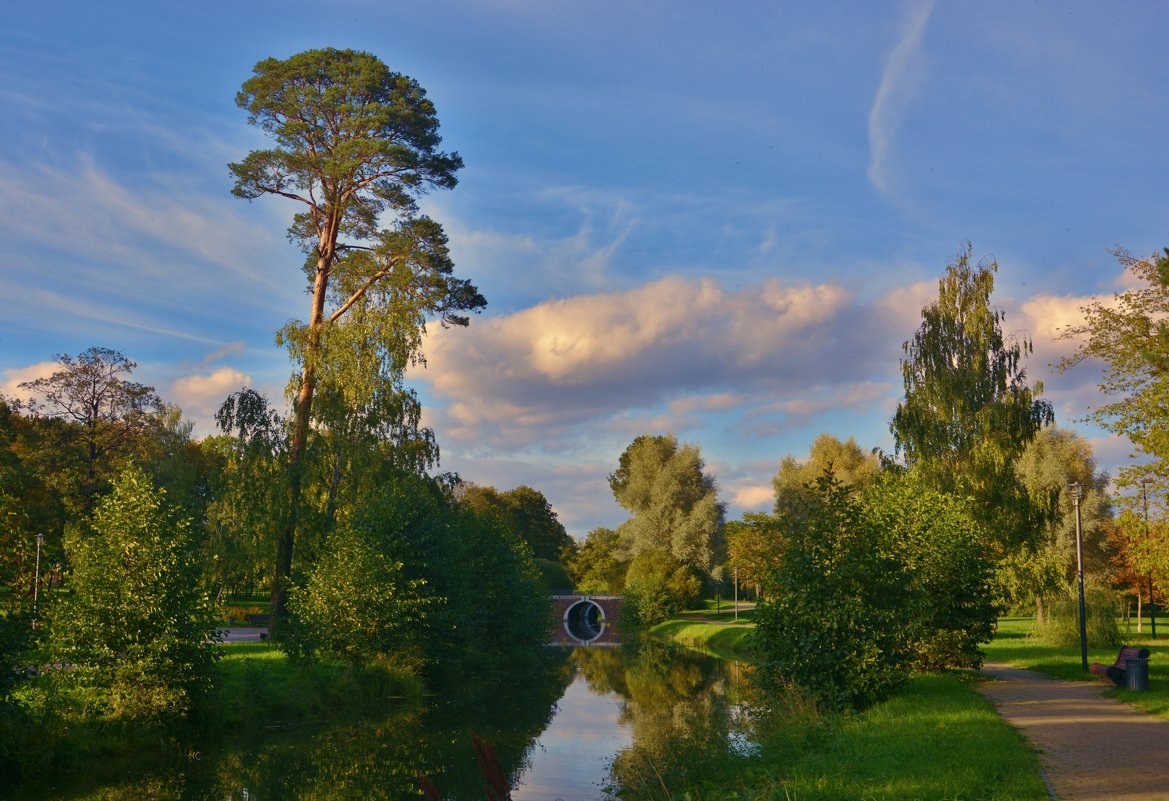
{"points": [[1092, 748]]}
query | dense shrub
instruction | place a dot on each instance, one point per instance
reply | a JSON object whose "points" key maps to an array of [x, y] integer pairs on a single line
{"points": [[136, 624], [841, 622], [412, 569], [941, 544], [657, 586], [555, 577], [357, 604]]}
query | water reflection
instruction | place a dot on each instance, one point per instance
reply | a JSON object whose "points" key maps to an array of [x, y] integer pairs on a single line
{"points": [[581, 725], [686, 714]]}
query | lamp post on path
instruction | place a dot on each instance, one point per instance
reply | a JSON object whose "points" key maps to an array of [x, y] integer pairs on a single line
{"points": [[1152, 604], [1077, 491]]}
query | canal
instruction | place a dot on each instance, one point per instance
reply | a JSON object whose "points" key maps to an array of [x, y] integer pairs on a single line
{"points": [[581, 726]]}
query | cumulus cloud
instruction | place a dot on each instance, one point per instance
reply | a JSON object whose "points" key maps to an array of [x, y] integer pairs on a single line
{"points": [[15, 376], [200, 395], [755, 498], [687, 345], [899, 81]]}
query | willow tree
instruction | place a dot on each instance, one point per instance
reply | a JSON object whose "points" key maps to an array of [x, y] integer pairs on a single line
{"points": [[355, 146], [968, 412], [674, 502]]}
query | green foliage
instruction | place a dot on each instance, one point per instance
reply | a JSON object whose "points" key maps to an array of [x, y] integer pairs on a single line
{"points": [[106, 415], [355, 145], [527, 512], [658, 586], [1130, 335], [16, 637], [411, 569], [597, 566], [357, 602], [136, 623], [1052, 461], [952, 606], [849, 464], [672, 500], [840, 619], [1061, 625], [554, 575], [754, 545], [968, 412]]}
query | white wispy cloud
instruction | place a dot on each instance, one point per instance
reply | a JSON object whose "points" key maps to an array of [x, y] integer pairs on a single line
{"points": [[899, 81], [153, 228]]}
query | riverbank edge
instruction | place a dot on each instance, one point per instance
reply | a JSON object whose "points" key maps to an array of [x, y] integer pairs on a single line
{"points": [[933, 712]]}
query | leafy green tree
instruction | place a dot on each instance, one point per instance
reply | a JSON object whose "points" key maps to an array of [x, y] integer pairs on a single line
{"points": [[598, 565], [968, 411], [673, 502], [1047, 567], [105, 414], [657, 586], [247, 489], [754, 545], [137, 622], [28, 505], [355, 145], [849, 464], [951, 605], [357, 602], [527, 512], [466, 585], [840, 620], [1130, 336]]}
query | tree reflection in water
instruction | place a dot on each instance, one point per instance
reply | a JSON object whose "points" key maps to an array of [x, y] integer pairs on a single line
{"points": [[686, 714], [690, 715], [367, 759]]}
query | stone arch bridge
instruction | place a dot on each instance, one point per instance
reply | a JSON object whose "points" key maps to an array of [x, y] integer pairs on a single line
{"points": [[586, 619]]}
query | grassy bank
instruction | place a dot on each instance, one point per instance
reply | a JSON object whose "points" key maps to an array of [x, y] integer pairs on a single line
{"points": [[256, 681], [935, 738], [255, 686], [717, 630], [1014, 645]]}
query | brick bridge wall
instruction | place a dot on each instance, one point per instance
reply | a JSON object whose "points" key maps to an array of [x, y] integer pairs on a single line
{"points": [[610, 605]]}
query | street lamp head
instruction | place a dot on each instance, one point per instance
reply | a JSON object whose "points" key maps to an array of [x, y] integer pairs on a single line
{"points": [[1077, 490]]}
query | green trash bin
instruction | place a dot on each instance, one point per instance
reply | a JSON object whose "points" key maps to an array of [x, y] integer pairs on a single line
{"points": [[1136, 672]]}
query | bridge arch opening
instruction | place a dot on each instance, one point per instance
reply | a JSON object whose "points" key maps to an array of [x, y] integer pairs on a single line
{"points": [[584, 621]]}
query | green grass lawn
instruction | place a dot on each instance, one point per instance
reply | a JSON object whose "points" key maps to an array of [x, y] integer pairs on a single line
{"points": [[257, 681], [1014, 645], [935, 738]]}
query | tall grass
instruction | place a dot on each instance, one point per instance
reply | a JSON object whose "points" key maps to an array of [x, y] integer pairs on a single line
{"points": [[1061, 626]]}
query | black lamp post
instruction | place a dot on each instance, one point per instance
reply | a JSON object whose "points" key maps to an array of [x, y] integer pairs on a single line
{"points": [[1077, 491], [36, 582], [1152, 604]]}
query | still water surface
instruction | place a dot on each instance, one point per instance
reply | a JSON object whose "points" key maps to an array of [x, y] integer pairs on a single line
{"points": [[586, 723]]}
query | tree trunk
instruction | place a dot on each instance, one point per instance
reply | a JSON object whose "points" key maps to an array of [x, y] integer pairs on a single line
{"points": [[286, 539], [1040, 616]]}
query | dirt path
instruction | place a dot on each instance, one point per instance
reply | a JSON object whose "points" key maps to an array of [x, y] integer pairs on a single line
{"points": [[1092, 748]]}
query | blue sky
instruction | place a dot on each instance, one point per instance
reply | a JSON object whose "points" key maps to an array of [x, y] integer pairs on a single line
{"points": [[716, 221]]}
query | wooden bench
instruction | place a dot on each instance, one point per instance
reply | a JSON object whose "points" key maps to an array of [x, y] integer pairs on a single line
{"points": [[1115, 672], [258, 620]]}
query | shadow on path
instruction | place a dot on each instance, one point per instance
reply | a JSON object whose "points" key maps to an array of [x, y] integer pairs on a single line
{"points": [[1092, 748]]}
